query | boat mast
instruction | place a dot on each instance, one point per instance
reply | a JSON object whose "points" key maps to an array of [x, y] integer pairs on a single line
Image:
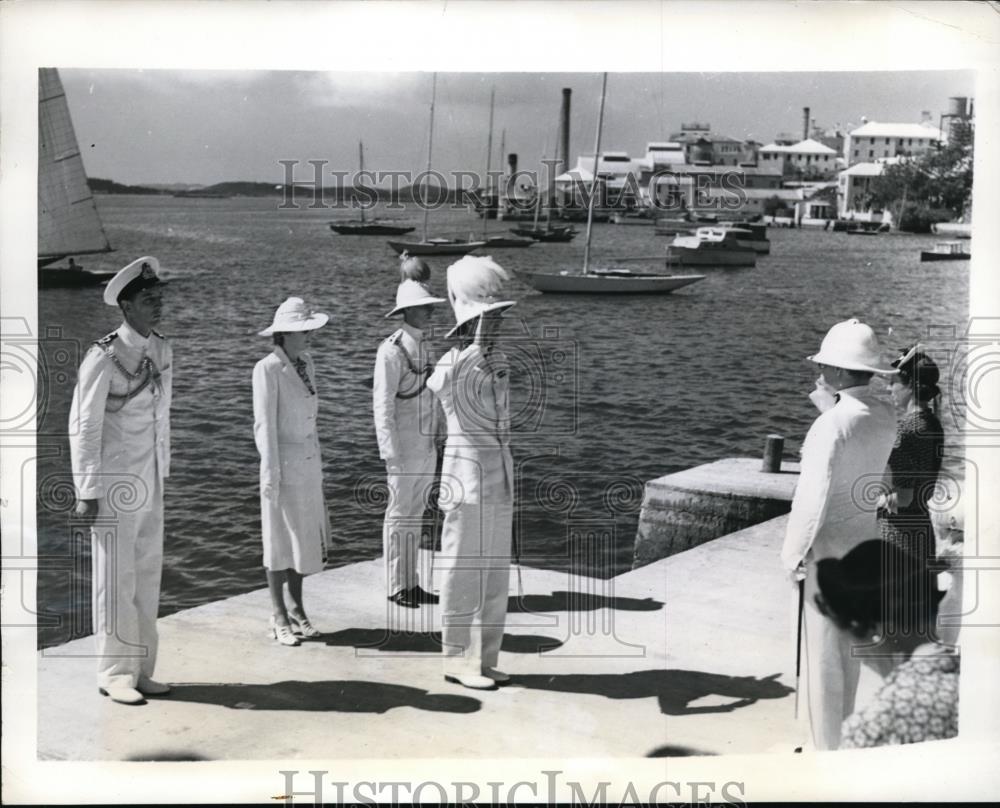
{"points": [[486, 183], [538, 191], [361, 161], [430, 149], [503, 138], [593, 182]]}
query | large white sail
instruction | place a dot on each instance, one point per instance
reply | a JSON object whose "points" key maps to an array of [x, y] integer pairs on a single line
{"points": [[68, 221]]}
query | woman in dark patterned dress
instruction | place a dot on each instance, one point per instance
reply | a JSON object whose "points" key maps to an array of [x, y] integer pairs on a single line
{"points": [[915, 461], [888, 606]]}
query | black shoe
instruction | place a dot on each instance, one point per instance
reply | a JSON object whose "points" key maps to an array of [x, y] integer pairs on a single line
{"points": [[405, 598], [423, 596]]}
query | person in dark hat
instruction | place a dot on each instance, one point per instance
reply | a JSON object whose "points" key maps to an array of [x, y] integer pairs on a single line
{"points": [[886, 607], [915, 461], [119, 438]]}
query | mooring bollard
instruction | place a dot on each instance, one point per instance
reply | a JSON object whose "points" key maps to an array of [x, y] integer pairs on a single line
{"points": [[773, 447]]}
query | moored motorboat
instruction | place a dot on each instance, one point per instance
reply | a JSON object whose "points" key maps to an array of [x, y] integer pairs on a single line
{"points": [[750, 235], [710, 246], [945, 251]]}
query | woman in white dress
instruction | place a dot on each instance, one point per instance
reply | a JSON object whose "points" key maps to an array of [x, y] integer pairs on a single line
{"points": [[294, 523]]}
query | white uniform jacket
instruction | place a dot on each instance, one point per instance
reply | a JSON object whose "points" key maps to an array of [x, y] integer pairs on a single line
{"points": [[407, 416], [844, 457], [473, 387], [119, 423]]}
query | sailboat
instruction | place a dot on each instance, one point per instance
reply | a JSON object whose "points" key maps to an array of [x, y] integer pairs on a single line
{"points": [[68, 221], [365, 227], [434, 246], [605, 280]]}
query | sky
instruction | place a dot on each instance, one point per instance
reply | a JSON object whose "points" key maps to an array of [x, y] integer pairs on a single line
{"points": [[187, 126]]}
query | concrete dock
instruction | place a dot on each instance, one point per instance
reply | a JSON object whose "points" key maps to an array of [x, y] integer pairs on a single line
{"points": [[692, 654]]}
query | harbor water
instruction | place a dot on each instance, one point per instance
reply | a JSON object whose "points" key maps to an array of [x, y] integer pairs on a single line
{"points": [[608, 391]]}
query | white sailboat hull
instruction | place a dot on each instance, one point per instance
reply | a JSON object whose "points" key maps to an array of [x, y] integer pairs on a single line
{"points": [[607, 283]]}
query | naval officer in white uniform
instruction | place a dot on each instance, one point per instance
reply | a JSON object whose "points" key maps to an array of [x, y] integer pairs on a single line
{"points": [[844, 453], [119, 436], [407, 422], [477, 478]]}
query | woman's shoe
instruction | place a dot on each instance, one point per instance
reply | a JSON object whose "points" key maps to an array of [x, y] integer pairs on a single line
{"points": [[303, 628], [283, 634]]}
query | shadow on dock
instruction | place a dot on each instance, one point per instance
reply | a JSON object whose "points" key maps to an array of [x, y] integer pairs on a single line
{"points": [[343, 696], [428, 642], [674, 689], [562, 601]]}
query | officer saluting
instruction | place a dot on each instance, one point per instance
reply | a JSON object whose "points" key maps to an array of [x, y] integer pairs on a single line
{"points": [[406, 425], [119, 435]]}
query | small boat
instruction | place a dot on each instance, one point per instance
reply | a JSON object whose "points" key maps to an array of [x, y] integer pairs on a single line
{"points": [[632, 218], [953, 229], [506, 242], [557, 233], [610, 280], [71, 277], [374, 228], [750, 235], [711, 246], [437, 246], [605, 280], [945, 251]]}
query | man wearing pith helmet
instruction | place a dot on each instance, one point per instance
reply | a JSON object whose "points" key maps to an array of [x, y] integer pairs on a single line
{"points": [[406, 425], [119, 437], [845, 452], [472, 382]]}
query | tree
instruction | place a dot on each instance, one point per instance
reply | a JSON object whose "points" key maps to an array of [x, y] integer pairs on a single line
{"points": [[933, 187]]}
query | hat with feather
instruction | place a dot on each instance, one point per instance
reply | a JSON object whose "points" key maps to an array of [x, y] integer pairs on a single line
{"points": [[474, 287]]}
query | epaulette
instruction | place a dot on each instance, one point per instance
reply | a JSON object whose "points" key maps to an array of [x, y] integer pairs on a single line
{"points": [[393, 339], [156, 333], [105, 341]]}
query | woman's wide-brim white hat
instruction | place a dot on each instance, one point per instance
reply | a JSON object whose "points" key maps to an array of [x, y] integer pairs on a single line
{"points": [[852, 345], [295, 315], [411, 294], [470, 310]]}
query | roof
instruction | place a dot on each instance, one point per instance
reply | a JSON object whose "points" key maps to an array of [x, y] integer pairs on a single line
{"points": [[875, 129], [808, 146], [864, 170]]}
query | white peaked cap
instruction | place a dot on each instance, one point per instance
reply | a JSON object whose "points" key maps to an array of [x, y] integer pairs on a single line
{"points": [[474, 287], [295, 315], [852, 345], [146, 268], [413, 293]]}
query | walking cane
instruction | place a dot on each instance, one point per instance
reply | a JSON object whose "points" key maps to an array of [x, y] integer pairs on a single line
{"points": [[517, 561], [798, 645]]}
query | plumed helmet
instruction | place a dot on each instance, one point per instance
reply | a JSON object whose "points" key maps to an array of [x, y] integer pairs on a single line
{"points": [[475, 284]]}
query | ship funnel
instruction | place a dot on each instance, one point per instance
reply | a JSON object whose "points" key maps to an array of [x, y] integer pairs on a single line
{"points": [[564, 129]]}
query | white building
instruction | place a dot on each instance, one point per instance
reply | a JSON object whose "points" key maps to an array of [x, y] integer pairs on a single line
{"points": [[806, 158], [854, 189], [876, 141]]}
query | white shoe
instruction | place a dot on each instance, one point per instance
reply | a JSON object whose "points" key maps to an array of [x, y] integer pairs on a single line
{"points": [[150, 687], [122, 694], [499, 677], [283, 634], [303, 628], [471, 680]]}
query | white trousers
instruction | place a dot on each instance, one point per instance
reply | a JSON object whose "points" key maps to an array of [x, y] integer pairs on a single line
{"points": [[475, 575], [127, 563], [404, 517], [831, 675]]}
